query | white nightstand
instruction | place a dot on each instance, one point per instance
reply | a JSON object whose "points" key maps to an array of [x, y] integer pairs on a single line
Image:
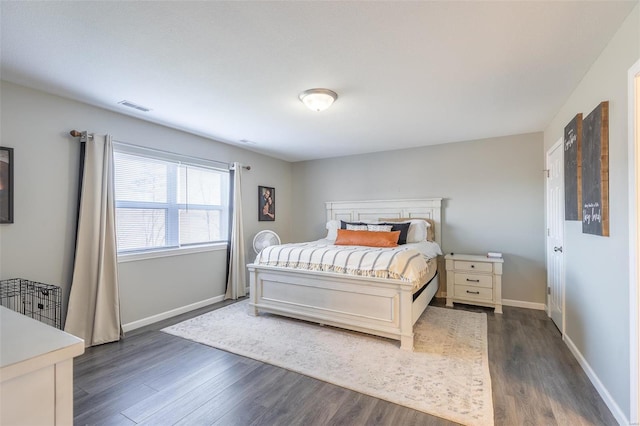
{"points": [[475, 280]]}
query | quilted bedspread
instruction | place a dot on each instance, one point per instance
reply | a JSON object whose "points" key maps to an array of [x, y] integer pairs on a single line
{"points": [[402, 262]]}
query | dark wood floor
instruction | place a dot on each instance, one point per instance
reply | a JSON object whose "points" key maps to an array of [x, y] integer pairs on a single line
{"points": [[153, 378]]}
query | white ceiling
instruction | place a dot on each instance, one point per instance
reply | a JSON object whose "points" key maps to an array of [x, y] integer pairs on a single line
{"points": [[407, 73]]}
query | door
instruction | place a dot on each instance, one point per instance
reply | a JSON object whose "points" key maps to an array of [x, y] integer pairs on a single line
{"points": [[555, 234]]}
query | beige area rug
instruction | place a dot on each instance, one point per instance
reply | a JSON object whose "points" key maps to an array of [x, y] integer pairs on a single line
{"points": [[447, 375]]}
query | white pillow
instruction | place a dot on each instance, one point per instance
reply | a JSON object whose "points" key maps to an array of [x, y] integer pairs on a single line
{"points": [[417, 231], [332, 227]]}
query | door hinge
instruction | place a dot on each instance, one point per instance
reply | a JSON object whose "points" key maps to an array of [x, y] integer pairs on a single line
{"points": [[548, 232], [546, 172], [548, 290]]}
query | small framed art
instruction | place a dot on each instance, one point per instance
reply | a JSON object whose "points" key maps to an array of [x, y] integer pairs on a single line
{"points": [[266, 203], [6, 185]]}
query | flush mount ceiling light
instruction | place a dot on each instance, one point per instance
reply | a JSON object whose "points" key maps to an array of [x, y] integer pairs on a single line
{"points": [[318, 99]]}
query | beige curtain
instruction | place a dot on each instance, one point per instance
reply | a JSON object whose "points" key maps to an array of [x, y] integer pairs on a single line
{"points": [[236, 283], [94, 308]]}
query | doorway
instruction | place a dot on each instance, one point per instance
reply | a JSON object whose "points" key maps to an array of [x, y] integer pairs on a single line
{"points": [[555, 233]]}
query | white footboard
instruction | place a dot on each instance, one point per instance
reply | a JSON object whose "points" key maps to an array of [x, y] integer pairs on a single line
{"points": [[382, 307]]}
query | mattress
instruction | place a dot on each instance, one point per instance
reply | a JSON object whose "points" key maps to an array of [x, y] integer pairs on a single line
{"points": [[433, 271]]}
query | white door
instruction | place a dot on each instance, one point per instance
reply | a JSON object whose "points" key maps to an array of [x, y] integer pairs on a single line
{"points": [[555, 233]]}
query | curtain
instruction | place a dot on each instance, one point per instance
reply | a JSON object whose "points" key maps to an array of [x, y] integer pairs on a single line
{"points": [[236, 281], [94, 308]]}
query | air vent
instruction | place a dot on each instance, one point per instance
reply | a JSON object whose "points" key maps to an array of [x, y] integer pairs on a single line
{"points": [[134, 106]]}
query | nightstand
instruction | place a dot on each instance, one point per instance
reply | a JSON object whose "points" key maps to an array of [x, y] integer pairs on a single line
{"points": [[475, 280]]}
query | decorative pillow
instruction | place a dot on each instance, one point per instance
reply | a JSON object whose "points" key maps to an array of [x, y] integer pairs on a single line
{"points": [[378, 228], [431, 229], [403, 228], [419, 230], [347, 237], [343, 224], [351, 227]]}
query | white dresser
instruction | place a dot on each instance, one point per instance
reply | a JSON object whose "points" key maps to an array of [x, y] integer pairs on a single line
{"points": [[36, 371], [475, 280]]}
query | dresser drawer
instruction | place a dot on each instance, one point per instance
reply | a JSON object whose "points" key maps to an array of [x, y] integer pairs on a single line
{"points": [[477, 293], [462, 265], [475, 280]]}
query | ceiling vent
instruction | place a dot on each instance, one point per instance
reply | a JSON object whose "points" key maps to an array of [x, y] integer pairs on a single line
{"points": [[134, 106]]}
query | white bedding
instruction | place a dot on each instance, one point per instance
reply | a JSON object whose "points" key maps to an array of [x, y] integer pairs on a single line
{"points": [[407, 262]]}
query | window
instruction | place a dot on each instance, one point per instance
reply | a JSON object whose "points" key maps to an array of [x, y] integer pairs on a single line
{"points": [[165, 201]]}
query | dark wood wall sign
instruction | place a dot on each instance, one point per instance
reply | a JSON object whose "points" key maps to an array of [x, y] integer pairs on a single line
{"points": [[595, 171], [573, 169]]}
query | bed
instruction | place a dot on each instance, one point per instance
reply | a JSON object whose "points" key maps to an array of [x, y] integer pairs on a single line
{"points": [[380, 306]]}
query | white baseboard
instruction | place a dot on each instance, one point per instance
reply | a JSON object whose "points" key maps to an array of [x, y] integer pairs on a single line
{"points": [[523, 304], [602, 390], [172, 313]]}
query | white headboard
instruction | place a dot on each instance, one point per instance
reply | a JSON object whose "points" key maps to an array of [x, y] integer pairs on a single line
{"points": [[353, 211]]}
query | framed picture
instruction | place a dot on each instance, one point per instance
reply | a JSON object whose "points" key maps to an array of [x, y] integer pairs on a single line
{"points": [[6, 185], [573, 169], [595, 171], [266, 203]]}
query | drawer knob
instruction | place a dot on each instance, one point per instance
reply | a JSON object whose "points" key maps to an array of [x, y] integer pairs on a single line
{"points": [[473, 281], [473, 266], [473, 292]]}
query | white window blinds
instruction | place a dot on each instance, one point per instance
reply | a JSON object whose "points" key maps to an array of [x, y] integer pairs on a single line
{"points": [[168, 202]]}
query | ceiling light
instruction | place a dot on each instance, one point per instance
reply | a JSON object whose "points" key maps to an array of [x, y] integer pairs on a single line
{"points": [[318, 99]]}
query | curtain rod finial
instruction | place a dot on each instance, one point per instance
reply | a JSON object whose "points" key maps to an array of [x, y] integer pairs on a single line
{"points": [[75, 133]]}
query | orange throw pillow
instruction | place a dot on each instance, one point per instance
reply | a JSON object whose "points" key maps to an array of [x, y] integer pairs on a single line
{"points": [[347, 237]]}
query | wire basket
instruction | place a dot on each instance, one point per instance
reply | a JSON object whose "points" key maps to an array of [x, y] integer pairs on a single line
{"points": [[42, 302]]}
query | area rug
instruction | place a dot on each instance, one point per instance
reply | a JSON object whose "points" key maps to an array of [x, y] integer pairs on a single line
{"points": [[446, 376]]}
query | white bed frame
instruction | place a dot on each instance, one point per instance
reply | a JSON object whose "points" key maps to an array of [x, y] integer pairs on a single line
{"points": [[383, 307]]}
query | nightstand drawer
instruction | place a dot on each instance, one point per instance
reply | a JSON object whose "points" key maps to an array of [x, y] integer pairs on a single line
{"points": [[468, 292], [473, 266], [475, 280]]}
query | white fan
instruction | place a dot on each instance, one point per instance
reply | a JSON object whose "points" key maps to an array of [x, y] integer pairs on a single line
{"points": [[264, 239]]}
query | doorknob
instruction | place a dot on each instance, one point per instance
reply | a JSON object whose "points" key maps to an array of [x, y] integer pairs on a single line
{"points": [[556, 249]]}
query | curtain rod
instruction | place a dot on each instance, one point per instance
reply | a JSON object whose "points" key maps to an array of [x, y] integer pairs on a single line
{"points": [[78, 134]]}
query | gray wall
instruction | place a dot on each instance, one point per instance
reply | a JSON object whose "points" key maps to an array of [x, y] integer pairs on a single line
{"points": [[39, 245], [597, 268], [493, 191]]}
